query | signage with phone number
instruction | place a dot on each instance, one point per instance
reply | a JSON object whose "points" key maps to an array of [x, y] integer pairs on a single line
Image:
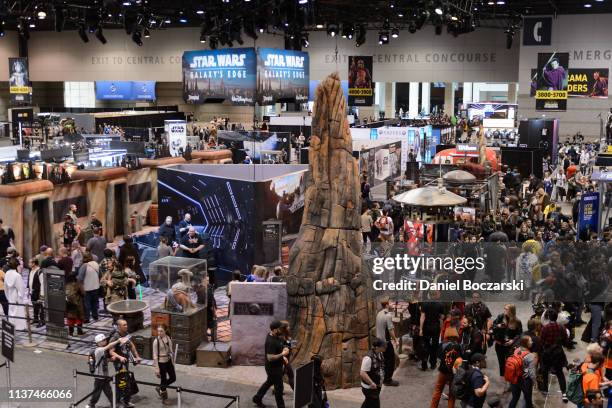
{"points": [[543, 94]]}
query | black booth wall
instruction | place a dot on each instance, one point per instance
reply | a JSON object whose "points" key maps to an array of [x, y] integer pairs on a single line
{"points": [[527, 160], [140, 121]]}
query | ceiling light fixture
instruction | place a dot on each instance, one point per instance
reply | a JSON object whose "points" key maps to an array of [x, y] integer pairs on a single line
{"points": [[41, 15], [332, 30], [395, 33]]}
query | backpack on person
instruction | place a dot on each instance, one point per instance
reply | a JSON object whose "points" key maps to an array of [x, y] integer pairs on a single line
{"points": [[461, 386], [91, 361], [450, 354], [513, 369], [574, 390]]}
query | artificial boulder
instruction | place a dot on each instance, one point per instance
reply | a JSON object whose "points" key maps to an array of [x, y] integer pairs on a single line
{"points": [[330, 301]]}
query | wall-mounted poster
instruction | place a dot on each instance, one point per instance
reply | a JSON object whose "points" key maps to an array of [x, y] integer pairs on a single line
{"points": [[282, 76], [216, 75], [361, 87], [552, 77], [19, 81], [588, 82]]}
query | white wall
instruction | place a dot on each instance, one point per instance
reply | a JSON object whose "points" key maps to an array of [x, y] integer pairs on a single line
{"points": [[479, 56], [587, 38]]}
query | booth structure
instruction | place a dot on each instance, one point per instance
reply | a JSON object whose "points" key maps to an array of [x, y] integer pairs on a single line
{"points": [[107, 196], [27, 208], [232, 207]]}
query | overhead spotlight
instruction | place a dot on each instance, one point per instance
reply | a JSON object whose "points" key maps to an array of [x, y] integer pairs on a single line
{"points": [[59, 19], [383, 38], [332, 30], [100, 35], [41, 15], [167, 21], [319, 26], [304, 40], [212, 42], [137, 37], [182, 20], [454, 18], [82, 33], [400, 14], [395, 33], [348, 31], [146, 32], [302, 1], [199, 12], [361, 35], [2, 33], [439, 11], [32, 25], [202, 38]]}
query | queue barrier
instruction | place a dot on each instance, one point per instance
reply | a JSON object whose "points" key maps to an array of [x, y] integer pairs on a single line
{"points": [[234, 399]]}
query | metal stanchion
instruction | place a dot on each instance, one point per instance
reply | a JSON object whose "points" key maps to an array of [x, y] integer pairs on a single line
{"points": [[74, 374], [178, 396], [237, 401], [8, 379], [29, 326], [114, 401]]}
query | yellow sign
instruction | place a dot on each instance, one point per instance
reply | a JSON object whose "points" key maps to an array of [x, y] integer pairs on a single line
{"points": [[543, 94], [19, 89], [360, 91]]}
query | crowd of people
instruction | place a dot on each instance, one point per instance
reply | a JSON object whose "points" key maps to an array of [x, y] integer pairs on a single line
{"points": [[534, 237]]}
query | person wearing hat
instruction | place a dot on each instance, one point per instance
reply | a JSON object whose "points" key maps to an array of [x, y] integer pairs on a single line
{"points": [[450, 358], [479, 383], [372, 373], [101, 369], [276, 358]]}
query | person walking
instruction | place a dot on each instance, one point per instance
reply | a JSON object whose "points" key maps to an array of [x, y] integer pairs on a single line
{"points": [[89, 277], [525, 381], [101, 381], [366, 227], [449, 354], [386, 331], [432, 316], [163, 361], [122, 354], [16, 295], [37, 292], [552, 338], [276, 356], [372, 373], [478, 383]]}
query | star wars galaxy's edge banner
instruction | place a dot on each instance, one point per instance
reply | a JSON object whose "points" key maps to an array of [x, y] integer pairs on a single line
{"points": [[551, 81], [19, 81], [361, 87], [282, 75], [210, 75]]}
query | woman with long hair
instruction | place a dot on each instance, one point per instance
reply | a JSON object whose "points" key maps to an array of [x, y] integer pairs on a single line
{"points": [[506, 329], [163, 361]]}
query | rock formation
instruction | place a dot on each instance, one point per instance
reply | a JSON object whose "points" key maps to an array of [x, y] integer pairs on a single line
{"points": [[330, 306]]}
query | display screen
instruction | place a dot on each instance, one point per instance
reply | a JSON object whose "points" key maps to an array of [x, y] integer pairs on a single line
{"points": [[125, 90], [230, 212]]}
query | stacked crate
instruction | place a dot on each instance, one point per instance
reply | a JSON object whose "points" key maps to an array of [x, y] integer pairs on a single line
{"points": [[187, 330]]}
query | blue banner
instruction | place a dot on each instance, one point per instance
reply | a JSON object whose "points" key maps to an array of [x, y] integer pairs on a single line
{"points": [[220, 74], [143, 90], [588, 215], [282, 75], [125, 90]]}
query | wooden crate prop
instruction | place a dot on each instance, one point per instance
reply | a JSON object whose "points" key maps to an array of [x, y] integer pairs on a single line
{"points": [[213, 355]]}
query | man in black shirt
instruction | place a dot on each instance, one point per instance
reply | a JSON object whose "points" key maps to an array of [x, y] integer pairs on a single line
{"points": [[479, 313], [167, 230], [276, 354], [120, 355], [191, 244], [432, 316]]}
